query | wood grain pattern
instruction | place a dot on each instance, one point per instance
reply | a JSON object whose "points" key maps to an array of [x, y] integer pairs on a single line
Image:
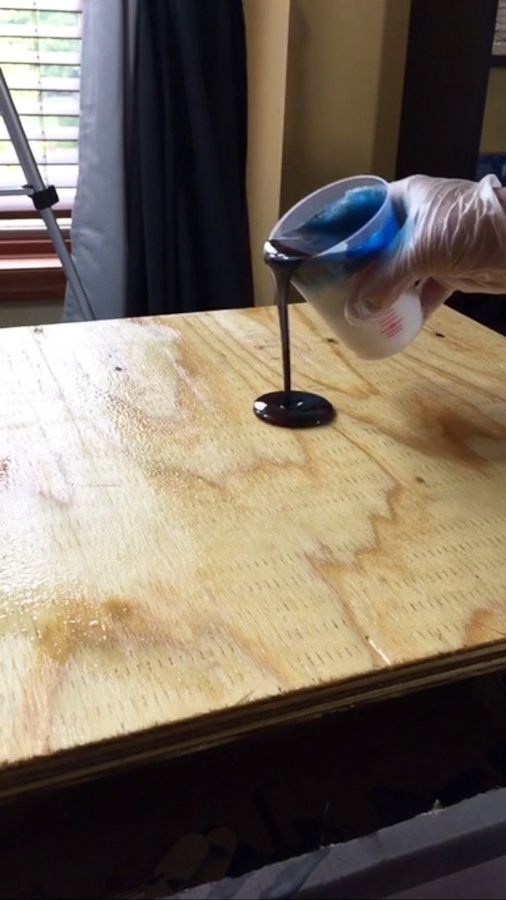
{"points": [[173, 571]]}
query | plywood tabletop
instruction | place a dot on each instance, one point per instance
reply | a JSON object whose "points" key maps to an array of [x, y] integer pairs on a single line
{"points": [[173, 571]]}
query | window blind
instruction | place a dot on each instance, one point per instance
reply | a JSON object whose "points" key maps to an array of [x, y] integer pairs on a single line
{"points": [[40, 49], [499, 46]]}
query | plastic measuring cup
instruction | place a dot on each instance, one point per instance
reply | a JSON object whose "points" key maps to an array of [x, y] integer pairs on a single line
{"points": [[324, 279]]}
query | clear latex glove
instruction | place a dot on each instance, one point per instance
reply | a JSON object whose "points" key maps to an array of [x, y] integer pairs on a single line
{"points": [[453, 239]]}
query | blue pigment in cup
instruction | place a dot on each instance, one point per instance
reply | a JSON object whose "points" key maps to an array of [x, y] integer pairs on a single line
{"points": [[335, 229]]}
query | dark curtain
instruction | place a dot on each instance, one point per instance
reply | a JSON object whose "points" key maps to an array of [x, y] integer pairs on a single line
{"points": [[188, 226], [449, 57]]}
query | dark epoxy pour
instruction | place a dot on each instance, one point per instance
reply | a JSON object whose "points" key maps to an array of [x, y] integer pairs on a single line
{"points": [[288, 408]]}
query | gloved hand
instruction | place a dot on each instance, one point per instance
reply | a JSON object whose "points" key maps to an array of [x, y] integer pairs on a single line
{"points": [[453, 239]]}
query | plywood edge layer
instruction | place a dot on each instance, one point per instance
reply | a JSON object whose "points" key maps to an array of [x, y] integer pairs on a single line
{"points": [[160, 744]]}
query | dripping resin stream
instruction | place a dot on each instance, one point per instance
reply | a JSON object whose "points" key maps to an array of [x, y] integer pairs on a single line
{"points": [[288, 408], [329, 230]]}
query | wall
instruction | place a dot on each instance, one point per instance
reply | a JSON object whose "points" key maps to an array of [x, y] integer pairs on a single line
{"points": [[493, 136], [267, 24], [344, 91], [327, 79], [27, 313]]}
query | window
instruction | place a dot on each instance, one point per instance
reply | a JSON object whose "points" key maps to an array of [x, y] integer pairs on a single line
{"points": [[499, 46], [40, 44]]}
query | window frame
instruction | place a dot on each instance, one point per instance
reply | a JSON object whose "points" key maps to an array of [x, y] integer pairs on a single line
{"points": [[30, 269]]}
